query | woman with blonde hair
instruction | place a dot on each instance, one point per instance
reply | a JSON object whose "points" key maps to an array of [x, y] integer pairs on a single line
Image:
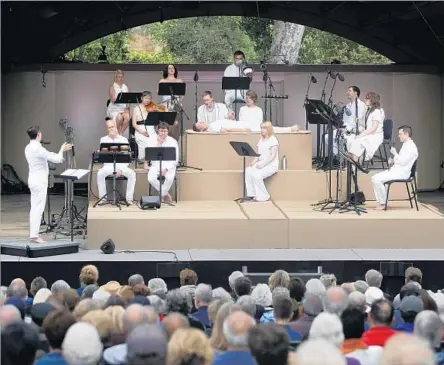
{"points": [[118, 112], [88, 275], [266, 165], [189, 346], [218, 340]]}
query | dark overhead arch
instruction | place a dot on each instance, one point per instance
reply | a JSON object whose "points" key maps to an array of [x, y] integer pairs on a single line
{"points": [[405, 32]]}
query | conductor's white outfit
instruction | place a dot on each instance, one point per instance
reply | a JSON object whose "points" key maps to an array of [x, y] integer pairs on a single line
{"points": [[38, 158], [349, 121], [232, 95], [141, 140], [154, 170], [108, 169], [401, 169], [371, 142], [254, 177]]}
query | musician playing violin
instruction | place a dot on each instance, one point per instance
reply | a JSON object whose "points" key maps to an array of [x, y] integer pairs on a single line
{"points": [[143, 132]]}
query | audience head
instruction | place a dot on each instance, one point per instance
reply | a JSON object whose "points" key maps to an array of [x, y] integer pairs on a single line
{"points": [[428, 301], [327, 326], [356, 300], [235, 329], [88, 275], [89, 290], [353, 323], [158, 286], [373, 278], [381, 313], [232, 278], [269, 344], [84, 306], [335, 301], [361, 286], [410, 306], [9, 314], [247, 304], [203, 295], [141, 289], [157, 303], [319, 352], [242, 286], [82, 345], [135, 315], [429, 327], [218, 340], [147, 345], [407, 349], [411, 288], [328, 280], [19, 304], [190, 346], [36, 284], [58, 286], [172, 322], [19, 344], [261, 294], [17, 289], [282, 309], [279, 278], [214, 307], [177, 301], [136, 279], [348, 287], [221, 293], [55, 326], [297, 288], [371, 295], [315, 286], [40, 311], [413, 274], [101, 297], [439, 300], [188, 277], [312, 304], [101, 322]]}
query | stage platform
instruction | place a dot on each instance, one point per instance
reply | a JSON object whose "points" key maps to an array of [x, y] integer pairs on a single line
{"points": [[274, 224]]}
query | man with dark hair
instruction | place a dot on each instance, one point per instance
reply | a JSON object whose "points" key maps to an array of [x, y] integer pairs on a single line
{"points": [[242, 286], [353, 328], [19, 344], [380, 320], [401, 165], [168, 173], [268, 344], [211, 111], [55, 325], [283, 313], [38, 157]]}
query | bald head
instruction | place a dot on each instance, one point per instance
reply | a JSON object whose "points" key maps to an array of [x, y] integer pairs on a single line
{"points": [[336, 300], [173, 322], [406, 349], [9, 314], [136, 314], [236, 327], [19, 281]]}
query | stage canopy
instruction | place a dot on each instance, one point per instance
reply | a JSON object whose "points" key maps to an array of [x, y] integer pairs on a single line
{"points": [[406, 32]]}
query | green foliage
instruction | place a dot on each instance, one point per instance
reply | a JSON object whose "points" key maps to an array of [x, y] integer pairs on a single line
{"points": [[261, 32], [148, 57]]}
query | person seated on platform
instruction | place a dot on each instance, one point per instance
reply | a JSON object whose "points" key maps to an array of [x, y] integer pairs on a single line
{"points": [[143, 132], [233, 126], [371, 138], [122, 169], [162, 139], [212, 111], [264, 166], [251, 113], [402, 163], [118, 112]]}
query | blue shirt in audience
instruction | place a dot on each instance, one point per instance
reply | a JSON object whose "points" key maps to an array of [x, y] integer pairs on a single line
{"points": [[268, 316], [405, 327], [52, 358], [202, 316], [293, 336], [234, 358], [80, 291]]}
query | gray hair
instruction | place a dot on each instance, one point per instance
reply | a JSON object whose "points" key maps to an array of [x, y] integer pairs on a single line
{"points": [[328, 280], [37, 284], [59, 286], [179, 302], [261, 294], [136, 279], [312, 304], [327, 326], [9, 314], [428, 326], [280, 291], [221, 293], [232, 278], [17, 290], [135, 314], [361, 286], [157, 286], [247, 304], [204, 293], [158, 304], [82, 345], [319, 352], [232, 338], [315, 286], [335, 301], [101, 297], [356, 300], [373, 278]]}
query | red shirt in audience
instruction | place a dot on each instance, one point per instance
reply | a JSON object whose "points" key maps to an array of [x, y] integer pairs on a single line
{"points": [[377, 336]]}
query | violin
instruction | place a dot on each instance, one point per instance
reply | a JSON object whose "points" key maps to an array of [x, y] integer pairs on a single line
{"points": [[153, 107]]}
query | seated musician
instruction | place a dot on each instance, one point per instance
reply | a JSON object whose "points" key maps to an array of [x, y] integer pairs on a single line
{"points": [[266, 165], [402, 163], [118, 112], [371, 138], [121, 168], [233, 126], [212, 111], [143, 132], [162, 139]]}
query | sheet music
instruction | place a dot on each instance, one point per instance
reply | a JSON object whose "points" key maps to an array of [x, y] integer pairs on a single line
{"points": [[78, 173]]}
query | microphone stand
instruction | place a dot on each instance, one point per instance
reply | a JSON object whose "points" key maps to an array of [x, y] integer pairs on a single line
{"points": [[270, 85], [264, 78], [321, 144], [306, 101], [196, 79]]}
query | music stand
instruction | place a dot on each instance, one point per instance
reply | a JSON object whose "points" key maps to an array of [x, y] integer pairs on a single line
{"points": [[161, 154], [114, 158], [128, 98], [236, 83], [244, 150]]}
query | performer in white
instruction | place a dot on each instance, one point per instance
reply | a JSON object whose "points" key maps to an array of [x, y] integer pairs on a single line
{"points": [[38, 157], [264, 166], [118, 112], [212, 111], [401, 165], [121, 168], [168, 167], [371, 138], [354, 107], [143, 132], [236, 69], [233, 126], [251, 113]]}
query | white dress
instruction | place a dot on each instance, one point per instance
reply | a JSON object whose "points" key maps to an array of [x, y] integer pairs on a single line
{"points": [[254, 176], [253, 116], [141, 140], [114, 109]]}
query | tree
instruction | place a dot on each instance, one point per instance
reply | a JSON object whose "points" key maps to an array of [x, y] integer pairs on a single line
{"points": [[287, 39]]}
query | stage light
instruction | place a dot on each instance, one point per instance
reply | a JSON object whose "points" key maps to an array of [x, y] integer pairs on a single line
{"points": [[108, 247]]}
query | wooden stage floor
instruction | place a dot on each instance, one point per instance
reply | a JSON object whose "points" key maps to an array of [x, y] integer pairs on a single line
{"points": [[279, 225]]}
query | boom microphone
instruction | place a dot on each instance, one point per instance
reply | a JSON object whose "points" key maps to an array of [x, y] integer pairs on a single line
{"points": [[196, 77], [341, 77], [313, 79]]}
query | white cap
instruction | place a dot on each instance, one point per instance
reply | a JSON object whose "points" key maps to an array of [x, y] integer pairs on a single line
{"points": [[371, 295]]}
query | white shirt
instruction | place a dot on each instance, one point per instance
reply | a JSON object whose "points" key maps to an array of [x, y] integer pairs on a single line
{"points": [[406, 157], [264, 149], [218, 125], [168, 142], [112, 107], [376, 115], [118, 139], [350, 120], [235, 71], [253, 116], [210, 115], [37, 157], [141, 114]]}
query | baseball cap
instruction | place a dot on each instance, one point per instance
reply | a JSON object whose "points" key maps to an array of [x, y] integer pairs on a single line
{"points": [[372, 294], [147, 341], [411, 303], [40, 311]]}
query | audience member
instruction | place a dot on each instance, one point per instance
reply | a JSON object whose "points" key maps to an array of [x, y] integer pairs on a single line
{"points": [[380, 319], [242, 286], [407, 349], [269, 344], [328, 280], [58, 286], [158, 287], [429, 327], [279, 278], [356, 300], [82, 345], [136, 279], [19, 344], [36, 284], [335, 301], [361, 286], [173, 322], [202, 298], [89, 275], [189, 346], [319, 352], [410, 306], [188, 281], [311, 307], [9, 314], [247, 304], [221, 293], [218, 340], [283, 313], [232, 279], [146, 345]]}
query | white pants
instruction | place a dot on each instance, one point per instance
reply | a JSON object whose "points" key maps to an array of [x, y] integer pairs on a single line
{"points": [[153, 174], [380, 178], [38, 202], [254, 181], [348, 138], [142, 143], [108, 170]]}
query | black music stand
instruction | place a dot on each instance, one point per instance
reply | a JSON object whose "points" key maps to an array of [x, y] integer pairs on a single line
{"points": [[113, 157], [129, 98], [160, 154], [244, 150], [236, 83]]}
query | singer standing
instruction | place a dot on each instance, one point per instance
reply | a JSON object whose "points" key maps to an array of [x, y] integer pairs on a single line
{"points": [[354, 114], [38, 157], [236, 69]]}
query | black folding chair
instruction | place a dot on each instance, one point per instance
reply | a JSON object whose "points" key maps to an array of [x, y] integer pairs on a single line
{"points": [[412, 181], [386, 143]]}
